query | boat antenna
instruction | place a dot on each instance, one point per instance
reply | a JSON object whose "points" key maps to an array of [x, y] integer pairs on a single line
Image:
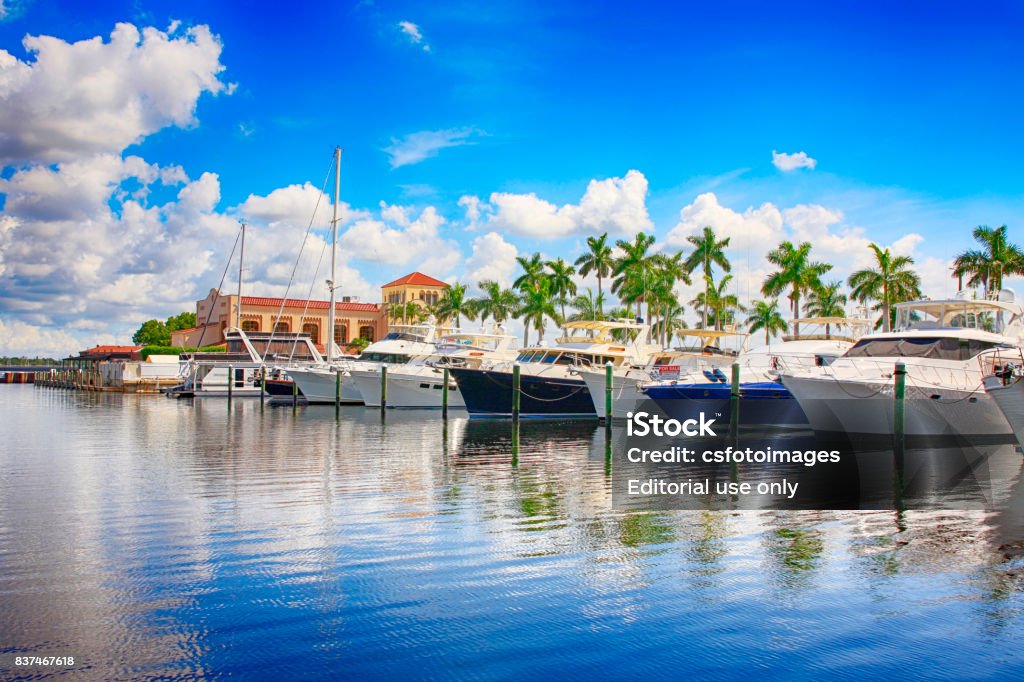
{"points": [[241, 259], [334, 255], [209, 315]]}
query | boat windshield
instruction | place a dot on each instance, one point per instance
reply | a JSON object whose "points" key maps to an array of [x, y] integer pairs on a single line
{"points": [[402, 336], [934, 348], [395, 358], [566, 358], [938, 315]]}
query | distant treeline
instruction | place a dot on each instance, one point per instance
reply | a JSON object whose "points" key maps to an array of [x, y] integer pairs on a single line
{"points": [[27, 362], [178, 350]]}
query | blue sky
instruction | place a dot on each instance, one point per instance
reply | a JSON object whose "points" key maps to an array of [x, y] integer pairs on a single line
{"points": [[910, 114]]}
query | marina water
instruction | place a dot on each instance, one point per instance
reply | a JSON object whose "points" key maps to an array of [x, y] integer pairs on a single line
{"points": [[177, 539]]}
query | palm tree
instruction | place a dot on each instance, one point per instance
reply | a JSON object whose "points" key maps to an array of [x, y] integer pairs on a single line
{"points": [[664, 273], [827, 301], [796, 271], [588, 307], [537, 305], [986, 266], [765, 315], [708, 251], [497, 303], [562, 286], [598, 260], [411, 310], [453, 303], [670, 319], [891, 281], [630, 270], [533, 272]]}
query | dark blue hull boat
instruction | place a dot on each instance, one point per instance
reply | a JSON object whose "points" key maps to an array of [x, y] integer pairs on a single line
{"points": [[488, 393], [762, 403]]}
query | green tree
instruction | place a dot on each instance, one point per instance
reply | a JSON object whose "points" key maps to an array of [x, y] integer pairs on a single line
{"points": [[453, 303], [890, 281], [708, 251], [722, 305], [588, 307], [598, 260], [765, 315], [796, 271], [630, 270], [152, 333], [496, 303], [562, 287], [665, 272], [533, 272], [537, 306], [670, 319], [987, 265], [827, 301], [185, 320]]}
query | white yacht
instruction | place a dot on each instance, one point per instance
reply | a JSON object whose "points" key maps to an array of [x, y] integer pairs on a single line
{"points": [[939, 342], [1004, 383], [403, 342], [205, 374], [661, 364], [419, 382], [812, 342], [548, 387]]}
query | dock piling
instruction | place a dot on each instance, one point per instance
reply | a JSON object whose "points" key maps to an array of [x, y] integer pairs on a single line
{"points": [[444, 394], [899, 396], [515, 393], [734, 401], [231, 384], [608, 378], [337, 392], [383, 387]]}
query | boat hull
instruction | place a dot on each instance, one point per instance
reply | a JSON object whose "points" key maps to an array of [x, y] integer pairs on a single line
{"points": [[1009, 398], [320, 386], [763, 403], [421, 389], [843, 406], [488, 393]]}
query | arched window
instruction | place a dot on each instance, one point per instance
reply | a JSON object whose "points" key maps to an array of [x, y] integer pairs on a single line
{"points": [[313, 331], [250, 325], [282, 327], [340, 334], [366, 332]]}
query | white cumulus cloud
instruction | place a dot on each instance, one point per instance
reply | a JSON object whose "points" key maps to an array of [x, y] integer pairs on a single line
{"points": [[92, 96], [789, 162], [493, 258], [614, 205]]}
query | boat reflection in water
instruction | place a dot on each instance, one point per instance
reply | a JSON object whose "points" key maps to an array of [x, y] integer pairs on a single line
{"points": [[213, 542]]}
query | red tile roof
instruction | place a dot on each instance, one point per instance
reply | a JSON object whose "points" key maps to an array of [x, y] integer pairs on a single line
{"points": [[113, 349], [312, 305], [417, 279]]}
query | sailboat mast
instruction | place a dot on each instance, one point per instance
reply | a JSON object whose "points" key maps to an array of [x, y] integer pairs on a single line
{"points": [[241, 260], [334, 254]]}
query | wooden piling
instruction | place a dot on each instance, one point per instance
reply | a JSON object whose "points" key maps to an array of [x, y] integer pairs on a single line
{"points": [[444, 393], [734, 401], [515, 394], [608, 379]]}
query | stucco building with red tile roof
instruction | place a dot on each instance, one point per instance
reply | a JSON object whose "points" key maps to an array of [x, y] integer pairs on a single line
{"points": [[353, 319]]}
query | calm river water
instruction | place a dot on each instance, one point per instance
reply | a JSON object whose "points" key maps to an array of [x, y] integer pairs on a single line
{"points": [[157, 538]]}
